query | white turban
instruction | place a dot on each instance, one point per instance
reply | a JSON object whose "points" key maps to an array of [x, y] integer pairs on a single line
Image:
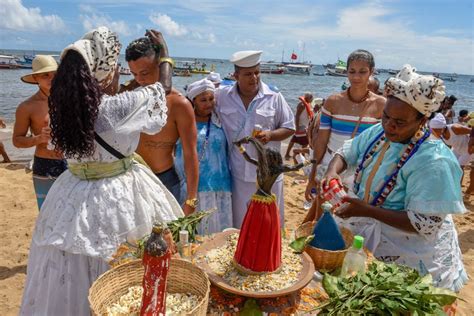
{"points": [[100, 49], [198, 87], [215, 77], [438, 122], [424, 93]]}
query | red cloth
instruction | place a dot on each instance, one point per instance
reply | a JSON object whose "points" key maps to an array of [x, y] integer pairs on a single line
{"points": [[259, 245]]}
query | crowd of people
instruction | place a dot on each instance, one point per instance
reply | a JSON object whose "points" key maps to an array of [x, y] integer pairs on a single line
{"points": [[112, 160]]}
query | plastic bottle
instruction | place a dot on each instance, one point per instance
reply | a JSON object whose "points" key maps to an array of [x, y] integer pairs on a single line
{"points": [[156, 261], [184, 246], [307, 204], [334, 194], [354, 261]]}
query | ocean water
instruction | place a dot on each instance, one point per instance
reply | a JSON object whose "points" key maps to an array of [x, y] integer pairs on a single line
{"points": [[13, 91]]}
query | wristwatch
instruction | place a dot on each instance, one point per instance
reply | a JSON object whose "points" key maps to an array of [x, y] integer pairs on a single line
{"points": [[192, 202]]}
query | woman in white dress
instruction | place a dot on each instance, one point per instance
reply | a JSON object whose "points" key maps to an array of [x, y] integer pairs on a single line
{"points": [[105, 196]]}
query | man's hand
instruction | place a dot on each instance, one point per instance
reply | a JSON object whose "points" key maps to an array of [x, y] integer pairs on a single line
{"points": [[44, 136], [264, 136], [157, 39], [354, 207]]}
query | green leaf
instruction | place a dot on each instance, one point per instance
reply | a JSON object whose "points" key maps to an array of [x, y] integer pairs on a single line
{"points": [[299, 243], [330, 284], [251, 308]]}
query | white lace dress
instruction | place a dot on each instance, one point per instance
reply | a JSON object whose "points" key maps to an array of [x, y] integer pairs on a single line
{"points": [[82, 222]]}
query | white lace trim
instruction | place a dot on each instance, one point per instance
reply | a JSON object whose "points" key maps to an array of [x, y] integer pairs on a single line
{"points": [[425, 224]]}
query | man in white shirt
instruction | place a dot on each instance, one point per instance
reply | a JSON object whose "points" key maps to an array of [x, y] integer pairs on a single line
{"points": [[246, 105]]}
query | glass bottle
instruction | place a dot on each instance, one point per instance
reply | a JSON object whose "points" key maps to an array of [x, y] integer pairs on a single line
{"points": [[156, 261], [184, 246]]}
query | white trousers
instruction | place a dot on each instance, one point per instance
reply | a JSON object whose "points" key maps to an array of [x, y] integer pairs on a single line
{"points": [[242, 191]]}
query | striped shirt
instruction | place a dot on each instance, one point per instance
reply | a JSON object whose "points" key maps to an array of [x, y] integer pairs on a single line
{"points": [[342, 126]]}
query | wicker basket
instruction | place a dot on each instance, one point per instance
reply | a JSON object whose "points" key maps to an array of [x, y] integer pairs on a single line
{"points": [[183, 277], [325, 259]]}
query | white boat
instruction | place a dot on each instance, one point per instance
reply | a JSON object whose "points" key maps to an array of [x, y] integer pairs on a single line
{"points": [[272, 68], [8, 62], [340, 70], [298, 69]]}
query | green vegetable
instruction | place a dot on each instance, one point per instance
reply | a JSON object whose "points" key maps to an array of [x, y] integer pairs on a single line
{"points": [[251, 308], [385, 289], [188, 223], [299, 243]]}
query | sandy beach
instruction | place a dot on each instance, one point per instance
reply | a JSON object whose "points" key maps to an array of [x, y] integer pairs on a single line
{"points": [[18, 212]]}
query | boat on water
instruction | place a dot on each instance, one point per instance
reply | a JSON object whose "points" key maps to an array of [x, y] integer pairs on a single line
{"points": [[26, 62], [392, 71], [9, 62], [339, 70], [272, 68], [298, 69], [125, 71], [181, 73], [472, 80]]}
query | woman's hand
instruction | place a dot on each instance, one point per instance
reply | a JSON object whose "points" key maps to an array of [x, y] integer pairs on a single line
{"points": [[354, 207], [312, 184], [330, 175]]}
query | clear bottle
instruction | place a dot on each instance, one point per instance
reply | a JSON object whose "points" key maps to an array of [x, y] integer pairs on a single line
{"points": [[307, 204], [354, 261], [184, 246]]}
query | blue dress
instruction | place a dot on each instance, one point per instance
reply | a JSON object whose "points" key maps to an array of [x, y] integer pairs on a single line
{"points": [[428, 190], [214, 188]]}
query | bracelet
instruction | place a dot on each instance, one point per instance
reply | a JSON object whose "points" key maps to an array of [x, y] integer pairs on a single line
{"points": [[167, 60]]}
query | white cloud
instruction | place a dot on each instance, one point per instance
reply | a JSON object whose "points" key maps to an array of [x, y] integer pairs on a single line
{"points": [[15, 16], [167, 25], [92, 19]]}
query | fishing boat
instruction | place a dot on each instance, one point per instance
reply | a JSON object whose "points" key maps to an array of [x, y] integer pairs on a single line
{"points": [[272, 68], [392, 72], [340, 69], [298, 69], [26, 62], [450, 77], [181, 73], [8, 62], [125, 71]]}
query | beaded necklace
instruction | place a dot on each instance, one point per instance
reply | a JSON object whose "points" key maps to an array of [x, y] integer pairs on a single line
{"points": [[206, 140], [369, 154], [365, 97]]}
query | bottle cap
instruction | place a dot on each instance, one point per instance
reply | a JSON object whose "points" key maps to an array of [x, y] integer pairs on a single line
{"points": [[313, 191], [158, 228], [326, 207], [358, 242], [183, 236]]}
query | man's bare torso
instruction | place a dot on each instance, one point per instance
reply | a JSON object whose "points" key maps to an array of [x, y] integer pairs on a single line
{"points": [[157, 150]]}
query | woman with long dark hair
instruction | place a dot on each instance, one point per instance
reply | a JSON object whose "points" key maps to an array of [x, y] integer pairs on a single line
{"points": [[105, 196]]}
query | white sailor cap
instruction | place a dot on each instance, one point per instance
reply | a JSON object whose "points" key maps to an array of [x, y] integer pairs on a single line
{"points": [[246, 58]]}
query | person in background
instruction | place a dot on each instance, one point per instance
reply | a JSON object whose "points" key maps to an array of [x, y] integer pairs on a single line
{"points": [[470, 123], [145, 61], [106, 196], [407, 183], [463, 117], [215, 78], [3, 152], [374, 85], [214, 190], [304, 113], [343, 116], [32, 115], [447, 108], [251, 107]]}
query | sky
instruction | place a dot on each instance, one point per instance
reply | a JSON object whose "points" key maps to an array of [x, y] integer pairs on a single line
{"points": [[435, 36]]}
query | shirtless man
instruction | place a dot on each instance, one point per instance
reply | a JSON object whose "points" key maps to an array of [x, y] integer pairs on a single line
{"points": [[144, 57], [32, 114]]}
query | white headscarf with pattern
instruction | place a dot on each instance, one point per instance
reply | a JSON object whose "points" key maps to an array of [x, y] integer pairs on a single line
{"points": [[100, 49], [423, 92]]}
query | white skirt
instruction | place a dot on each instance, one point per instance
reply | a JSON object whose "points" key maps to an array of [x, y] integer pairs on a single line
{"points": [[79, 228]]}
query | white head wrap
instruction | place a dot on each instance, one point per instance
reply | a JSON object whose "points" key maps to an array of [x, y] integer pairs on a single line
{"points": [[438, 122], [100, 49], [424, 93], [198, 87], [215, 77]]}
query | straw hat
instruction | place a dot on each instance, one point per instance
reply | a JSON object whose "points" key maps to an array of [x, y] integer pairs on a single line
{"points": [[41, 64]]}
